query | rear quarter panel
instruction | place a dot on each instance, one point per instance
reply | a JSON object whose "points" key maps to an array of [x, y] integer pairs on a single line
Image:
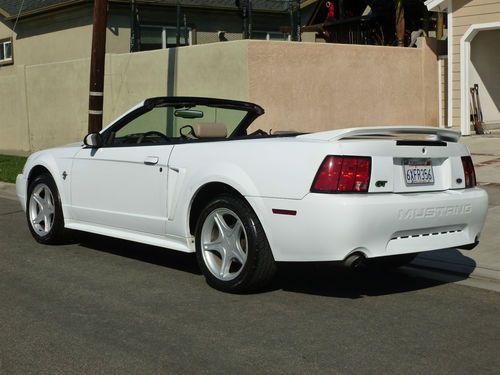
{"points": [[278, 168]]}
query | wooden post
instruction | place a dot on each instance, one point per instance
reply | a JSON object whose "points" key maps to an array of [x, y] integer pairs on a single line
{"points": [[96, 92], [400, 23], [439, 26]]}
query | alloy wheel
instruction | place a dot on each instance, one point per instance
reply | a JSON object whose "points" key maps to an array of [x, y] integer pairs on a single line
{"points": [[41, 209], [224, 244]]}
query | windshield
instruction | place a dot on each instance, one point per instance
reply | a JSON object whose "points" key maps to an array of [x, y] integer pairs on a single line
{"points": [[164, 120]]}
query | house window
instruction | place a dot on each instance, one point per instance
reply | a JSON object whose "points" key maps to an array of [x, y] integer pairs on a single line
{"points": [[156, 37], [6, 51]]}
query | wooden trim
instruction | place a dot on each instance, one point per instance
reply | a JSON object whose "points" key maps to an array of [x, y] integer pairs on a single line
{"points": [[4, 13]]}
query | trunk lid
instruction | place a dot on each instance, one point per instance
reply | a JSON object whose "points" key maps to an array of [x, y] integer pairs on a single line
{"points": [[407, 159]]}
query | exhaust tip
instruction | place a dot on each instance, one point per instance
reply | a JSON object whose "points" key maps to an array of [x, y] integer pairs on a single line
{"points": [[354, 261]]}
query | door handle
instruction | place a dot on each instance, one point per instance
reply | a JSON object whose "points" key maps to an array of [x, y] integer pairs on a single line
{"points": [[151, 160]]}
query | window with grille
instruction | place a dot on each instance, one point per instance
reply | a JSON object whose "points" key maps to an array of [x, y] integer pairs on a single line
{"points": [[6, 51]]}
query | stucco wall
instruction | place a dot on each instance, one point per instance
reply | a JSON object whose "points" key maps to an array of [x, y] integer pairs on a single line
{"points": [[302, 86], [14, 134], [62, 36], [218, 70], [308, 86]]}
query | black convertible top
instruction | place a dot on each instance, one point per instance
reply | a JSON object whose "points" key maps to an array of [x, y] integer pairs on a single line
{"points": [[187, 101]]}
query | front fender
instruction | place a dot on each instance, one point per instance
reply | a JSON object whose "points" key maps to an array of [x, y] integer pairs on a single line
{"points": [[56, 162]]}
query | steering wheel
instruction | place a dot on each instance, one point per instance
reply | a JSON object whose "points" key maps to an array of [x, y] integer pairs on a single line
{"points": [[187, 132], [152, 132]]}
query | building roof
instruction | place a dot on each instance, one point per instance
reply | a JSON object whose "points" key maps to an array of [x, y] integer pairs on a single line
{"points": [[11, 7]]}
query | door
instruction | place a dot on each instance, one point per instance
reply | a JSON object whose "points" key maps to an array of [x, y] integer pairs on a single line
{"points": [[123, 184]]}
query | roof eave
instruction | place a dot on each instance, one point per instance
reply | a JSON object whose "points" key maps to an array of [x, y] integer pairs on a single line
{"points": [[437, 5], [49, 8], [195, 6], [4, 13], [68, 3]]}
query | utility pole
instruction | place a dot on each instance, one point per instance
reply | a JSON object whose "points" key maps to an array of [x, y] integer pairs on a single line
{"points": [[96, 92]]}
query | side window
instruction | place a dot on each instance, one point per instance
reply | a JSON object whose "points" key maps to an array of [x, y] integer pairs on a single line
{"points": [[164, 124], [149, 128]]}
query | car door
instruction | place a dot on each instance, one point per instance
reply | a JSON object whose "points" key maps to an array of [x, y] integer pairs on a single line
{"points": [[123, 184]]}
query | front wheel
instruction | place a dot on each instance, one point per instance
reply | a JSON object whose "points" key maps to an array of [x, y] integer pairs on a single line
{"points": [[44, 210], [231, 246]]}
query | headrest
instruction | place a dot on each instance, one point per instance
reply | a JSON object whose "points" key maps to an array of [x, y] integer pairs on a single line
{"points": [[210, 130]]}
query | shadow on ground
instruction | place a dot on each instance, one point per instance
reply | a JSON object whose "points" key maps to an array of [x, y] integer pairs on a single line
{"points": [[322, 279], [450, 259], [328, 279], [144, 253]]}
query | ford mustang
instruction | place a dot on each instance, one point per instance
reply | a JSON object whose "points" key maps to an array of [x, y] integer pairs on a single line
{"points": [[186, 173]]}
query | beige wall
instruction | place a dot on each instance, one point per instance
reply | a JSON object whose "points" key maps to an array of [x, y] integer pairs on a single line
{"points": [[217, 70], [308, 86], [464, 14], [303, 86], [62, 36], [14, 134]]}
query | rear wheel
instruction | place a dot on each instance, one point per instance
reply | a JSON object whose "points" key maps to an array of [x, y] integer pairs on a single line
{"points": [[231, 246], [44, 210]]}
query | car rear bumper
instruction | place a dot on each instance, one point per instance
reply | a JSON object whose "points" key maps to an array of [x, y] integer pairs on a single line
{"points": [[329, 227]]}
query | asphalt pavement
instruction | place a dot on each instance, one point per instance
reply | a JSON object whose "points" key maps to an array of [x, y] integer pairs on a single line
{"points": [[102, 305], [481, 264]]}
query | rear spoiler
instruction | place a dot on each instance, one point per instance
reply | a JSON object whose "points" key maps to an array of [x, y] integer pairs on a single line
{"points": [[438, 134]]}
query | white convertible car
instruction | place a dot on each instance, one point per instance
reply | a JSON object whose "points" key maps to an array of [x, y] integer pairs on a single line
{"points": [[183, 173]]}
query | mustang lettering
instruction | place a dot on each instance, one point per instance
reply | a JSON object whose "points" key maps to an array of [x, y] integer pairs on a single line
{"points": [[420, 213]]}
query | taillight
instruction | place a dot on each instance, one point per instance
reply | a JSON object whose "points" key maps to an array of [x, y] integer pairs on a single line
{"points": [[343, 174], [469, 173]]}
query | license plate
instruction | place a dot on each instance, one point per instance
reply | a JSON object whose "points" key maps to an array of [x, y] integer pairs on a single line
{"points": [[418, 172]]}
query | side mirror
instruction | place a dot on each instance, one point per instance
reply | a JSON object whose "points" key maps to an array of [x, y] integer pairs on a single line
{"points": [[93, 140]]}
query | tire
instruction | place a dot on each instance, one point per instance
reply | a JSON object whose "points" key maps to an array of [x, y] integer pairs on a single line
{"points": [[392, 261], [44, 211], [231, 247]]}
